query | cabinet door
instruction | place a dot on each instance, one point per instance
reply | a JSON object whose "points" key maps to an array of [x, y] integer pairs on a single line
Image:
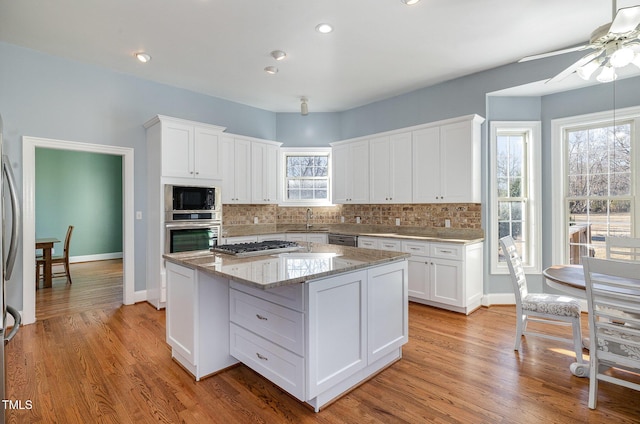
{"points": [[446, 282], [340, 173], [426, 165], [387, 310], [337, 330], [380, 173], [177, 150], [456, 152], [207, 159], [419, 277], [228, 153], [296, 237], [270, 174], [181, 312], [368, 242], [359, 172], [264, 186], [400, 153], [242, 172]]}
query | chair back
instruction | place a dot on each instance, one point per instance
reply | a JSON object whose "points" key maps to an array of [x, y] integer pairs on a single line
{"points": [[623, 248], [67, 241], [613, 298], [514, 262]]}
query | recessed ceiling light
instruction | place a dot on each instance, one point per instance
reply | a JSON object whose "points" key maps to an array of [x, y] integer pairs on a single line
{"points": [[324, 28], [409, 2], [271, 70], [278, 54], [142, 57]]}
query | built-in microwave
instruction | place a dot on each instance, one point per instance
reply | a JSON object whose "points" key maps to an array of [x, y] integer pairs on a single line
{"points": [[187, 203]]}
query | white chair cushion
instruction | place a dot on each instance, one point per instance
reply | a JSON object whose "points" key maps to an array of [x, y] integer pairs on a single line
{"points": [[552, 304], [619, 348]]}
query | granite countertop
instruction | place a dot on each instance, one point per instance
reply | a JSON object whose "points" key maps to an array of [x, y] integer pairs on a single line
{"points": [[311, 262], [449, 235]]}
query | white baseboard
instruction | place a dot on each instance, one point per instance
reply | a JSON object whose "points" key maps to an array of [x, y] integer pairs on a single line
{"points": [[498, 299], [98, 257], [140, 296]]}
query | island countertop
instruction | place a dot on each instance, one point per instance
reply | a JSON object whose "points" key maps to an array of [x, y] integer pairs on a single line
{"points": [[312, 261]]}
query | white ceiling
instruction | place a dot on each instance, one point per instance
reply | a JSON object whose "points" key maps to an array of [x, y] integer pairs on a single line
{"points": [[379, 49]]}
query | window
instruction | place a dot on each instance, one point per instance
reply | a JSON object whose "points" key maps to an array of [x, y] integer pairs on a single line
{"points": [[597, 198], [515, 165], [306, 176]]}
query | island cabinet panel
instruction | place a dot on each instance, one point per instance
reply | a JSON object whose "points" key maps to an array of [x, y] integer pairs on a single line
{"points": [[197, 320], [388, 314], [337, 330]]}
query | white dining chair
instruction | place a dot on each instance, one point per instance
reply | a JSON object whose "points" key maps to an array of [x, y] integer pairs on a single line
{"points": [[613, 298], [623, 248], [540, 307]]}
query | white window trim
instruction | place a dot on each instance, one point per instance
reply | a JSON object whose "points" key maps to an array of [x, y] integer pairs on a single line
{"points": [[534, 209], [559, 253], [282, 175]]}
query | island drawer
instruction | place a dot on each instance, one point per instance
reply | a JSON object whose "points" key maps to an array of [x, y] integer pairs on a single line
{"points": [[288, 296], [284, 368], [278, 324]]}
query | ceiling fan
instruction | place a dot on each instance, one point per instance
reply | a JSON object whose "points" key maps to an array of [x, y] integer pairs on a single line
{"points": [[614, 46]]}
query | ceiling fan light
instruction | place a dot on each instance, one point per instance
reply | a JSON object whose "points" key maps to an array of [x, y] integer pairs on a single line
{"points": [[621, 57], [587, 70], [608, 74]]}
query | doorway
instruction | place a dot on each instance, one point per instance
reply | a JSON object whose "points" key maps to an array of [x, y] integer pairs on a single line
{"points": [[29, 145]]}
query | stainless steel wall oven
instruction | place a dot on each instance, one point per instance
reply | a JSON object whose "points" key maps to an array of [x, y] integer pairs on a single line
{"points": [[184, 236]]}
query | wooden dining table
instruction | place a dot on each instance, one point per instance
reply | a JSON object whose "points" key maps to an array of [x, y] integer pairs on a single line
{"points": [[46, 244]]}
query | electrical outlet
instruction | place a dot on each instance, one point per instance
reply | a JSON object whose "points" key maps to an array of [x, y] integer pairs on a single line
{"points": [[138, 214], [357, 219], [255, 219], [447, 223], [342, 219], [397, 221]]}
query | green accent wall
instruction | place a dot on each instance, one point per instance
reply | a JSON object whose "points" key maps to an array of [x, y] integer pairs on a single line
{"points": [[84, 190]]}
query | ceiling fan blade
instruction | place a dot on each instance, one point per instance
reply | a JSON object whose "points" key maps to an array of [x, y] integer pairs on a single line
{"points": [[556, 52], [581, 62], [627, 19]]}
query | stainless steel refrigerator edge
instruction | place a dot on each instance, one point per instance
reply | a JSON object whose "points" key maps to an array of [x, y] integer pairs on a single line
{"points": [[7, 263]]}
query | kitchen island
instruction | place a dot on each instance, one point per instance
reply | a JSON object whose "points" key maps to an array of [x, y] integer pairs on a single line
{"points": [[317, 321]]}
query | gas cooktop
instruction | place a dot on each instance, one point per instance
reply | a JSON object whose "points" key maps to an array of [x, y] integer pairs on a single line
{"points": [[257, 248]]}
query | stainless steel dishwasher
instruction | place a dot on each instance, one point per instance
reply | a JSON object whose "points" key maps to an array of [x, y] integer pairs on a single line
{"points": [[343, 240]]}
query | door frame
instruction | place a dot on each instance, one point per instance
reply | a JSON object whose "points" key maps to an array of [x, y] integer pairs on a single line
{"points": [[29, 145]]}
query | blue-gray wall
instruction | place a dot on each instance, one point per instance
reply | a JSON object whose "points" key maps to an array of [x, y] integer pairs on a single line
{"points": [[84, 190], [46, 96]]}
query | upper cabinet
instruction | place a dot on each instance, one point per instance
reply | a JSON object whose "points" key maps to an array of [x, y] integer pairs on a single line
{"points": [[351, 172], [437, 162], [236, 171], [446, 162], [188, 150], [249, 170], [264, 173], [390, 170]]}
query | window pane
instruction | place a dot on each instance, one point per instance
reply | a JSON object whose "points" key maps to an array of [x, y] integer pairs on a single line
{"points": [[307, 177], [503, 187]]}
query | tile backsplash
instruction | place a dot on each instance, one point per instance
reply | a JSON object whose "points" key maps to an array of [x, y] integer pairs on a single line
{"points": [[430, 215]]}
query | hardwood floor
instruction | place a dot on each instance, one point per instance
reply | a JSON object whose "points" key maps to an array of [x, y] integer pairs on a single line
{"points": [[104, 362]]}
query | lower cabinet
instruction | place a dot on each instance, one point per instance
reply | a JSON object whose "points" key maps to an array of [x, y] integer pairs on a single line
{"points": [[197, 316], [347, 327], [445, 275], [308, 237]]}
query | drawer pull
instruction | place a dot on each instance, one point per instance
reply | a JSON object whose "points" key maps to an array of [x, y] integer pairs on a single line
{"points": [[264, 358], [261, 317]]}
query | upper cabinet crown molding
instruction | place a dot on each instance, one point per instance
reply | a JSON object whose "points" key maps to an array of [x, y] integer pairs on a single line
{"points": [[162, 118]]}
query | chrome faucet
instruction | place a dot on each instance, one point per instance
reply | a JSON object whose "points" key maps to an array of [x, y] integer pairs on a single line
{"points": [[309, 216]]}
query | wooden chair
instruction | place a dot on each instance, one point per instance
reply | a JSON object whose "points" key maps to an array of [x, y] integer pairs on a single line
{"points": [[540, 307], [613, 297], [623, 248], [59, 260]]}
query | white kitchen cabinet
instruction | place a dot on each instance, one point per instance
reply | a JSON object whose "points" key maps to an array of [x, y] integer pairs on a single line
{"points": [[390, 175], [197, 319], [446, 275], [238, 239], [190, 150], [268, 237], [236, 171], [380, 243], [264, 173], [350, 172], [307, 237], [446, 162]]}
